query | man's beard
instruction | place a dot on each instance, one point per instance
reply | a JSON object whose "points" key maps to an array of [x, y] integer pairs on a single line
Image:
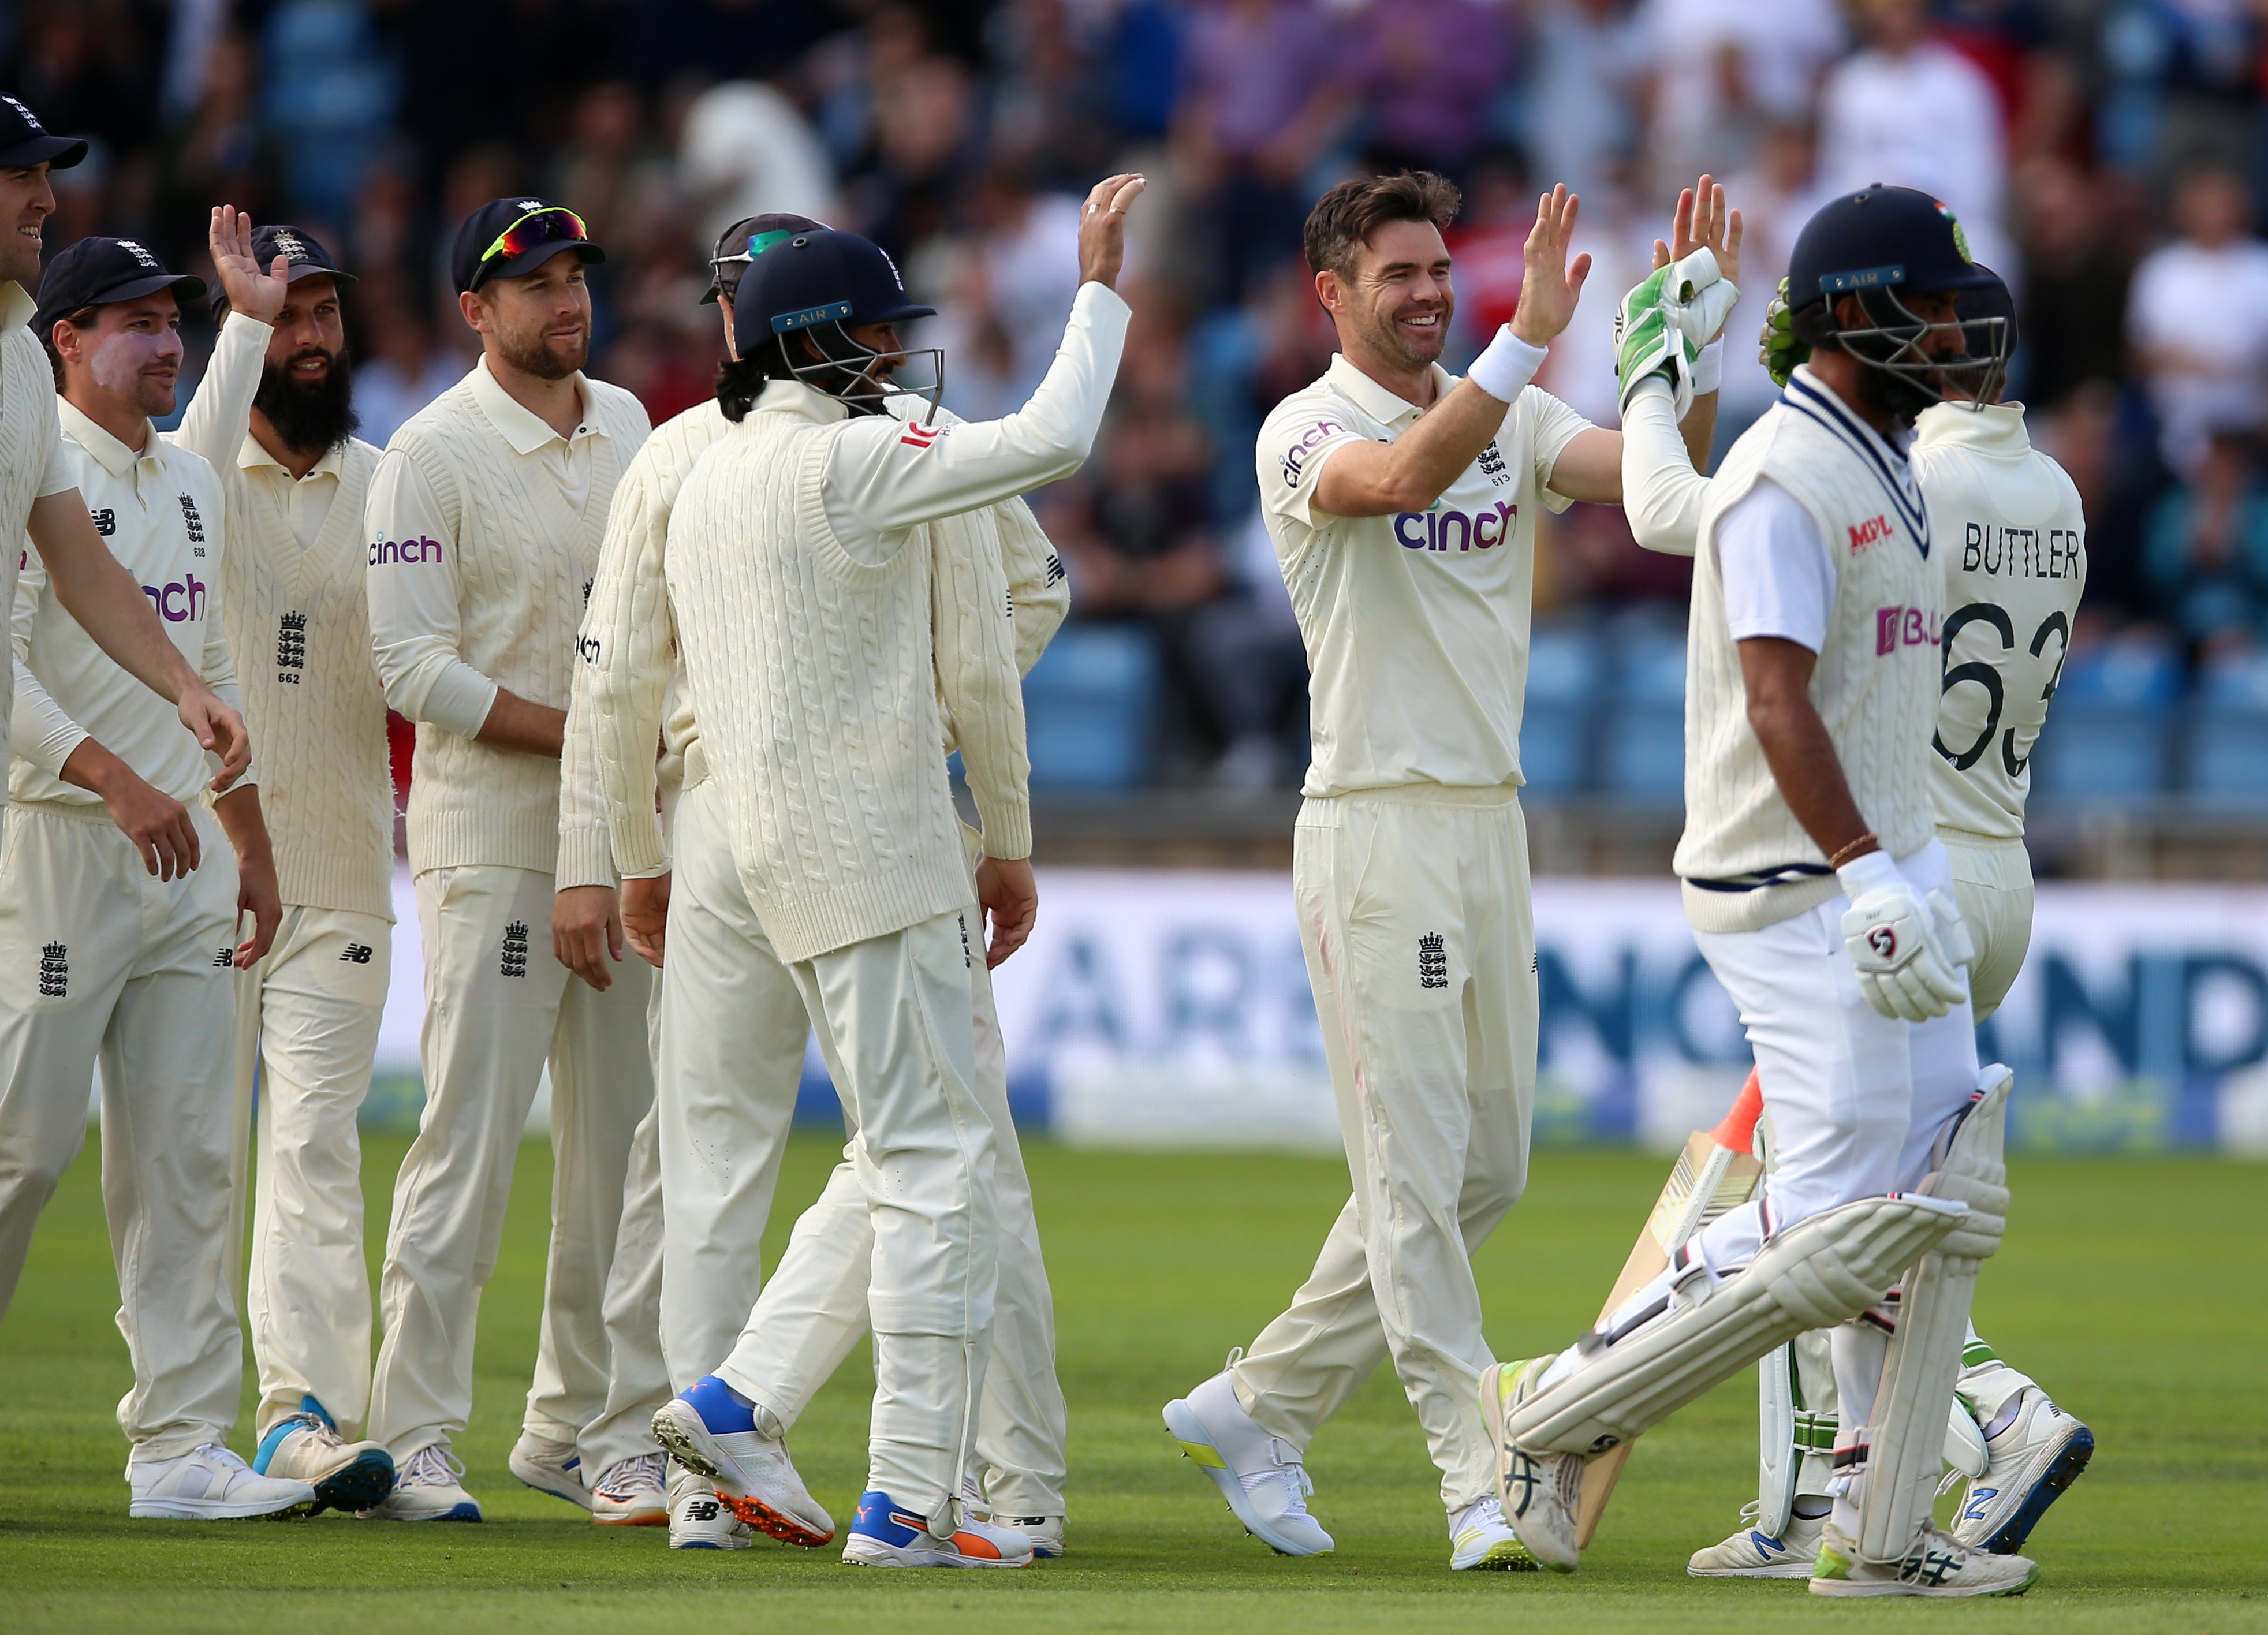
{"points": [[1396, 345], [535, 356], [310, 415], [1897, 398]]}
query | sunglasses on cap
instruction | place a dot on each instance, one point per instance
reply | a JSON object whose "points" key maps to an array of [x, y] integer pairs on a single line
{"points": [[758, 243], [553, 223]]}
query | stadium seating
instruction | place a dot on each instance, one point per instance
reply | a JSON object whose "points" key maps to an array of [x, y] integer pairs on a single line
{"points": [[2227, 739], [1563, 673], [2109, 736], [1642, 748], [1087, 709]]}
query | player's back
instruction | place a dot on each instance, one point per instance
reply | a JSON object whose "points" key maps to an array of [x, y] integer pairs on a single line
{"points": [[2011, 538]]}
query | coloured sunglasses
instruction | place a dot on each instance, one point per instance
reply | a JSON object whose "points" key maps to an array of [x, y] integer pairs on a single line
{"points": [[553, 223]]}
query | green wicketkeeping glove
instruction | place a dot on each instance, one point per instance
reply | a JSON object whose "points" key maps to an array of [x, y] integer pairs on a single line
{"points": [[1778, 348], [1664, 322]]}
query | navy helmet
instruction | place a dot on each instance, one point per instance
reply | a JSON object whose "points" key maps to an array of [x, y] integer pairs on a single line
{"points": [[816, 287], [1879, 246]]}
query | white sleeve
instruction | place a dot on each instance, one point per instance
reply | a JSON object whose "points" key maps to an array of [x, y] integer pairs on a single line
{"points": [[220, 414], [884, 475], [41, 732], [1661, 492], [414, 629], [58, 475], [1556, 425], [1778, 577]]}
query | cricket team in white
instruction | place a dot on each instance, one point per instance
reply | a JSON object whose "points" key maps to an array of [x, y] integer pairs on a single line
{"points": [[683, 699]]}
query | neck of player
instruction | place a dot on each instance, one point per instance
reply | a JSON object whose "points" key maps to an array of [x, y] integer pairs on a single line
{"points": [[114, 415], [1412, 383]]}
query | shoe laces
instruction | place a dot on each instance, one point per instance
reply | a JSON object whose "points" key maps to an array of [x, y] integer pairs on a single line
{"points": [[641, 1472], [321, 1429], [1483, 1512], [432, 1465], [223, 1455], [1288, 1473], [1951, 1480]]}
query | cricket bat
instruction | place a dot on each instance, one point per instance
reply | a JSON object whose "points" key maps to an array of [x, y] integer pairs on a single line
{"points": [[1715, 1173]]}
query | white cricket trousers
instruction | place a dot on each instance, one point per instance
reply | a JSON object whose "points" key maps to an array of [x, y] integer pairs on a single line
{"points": [[1420, 938], [497, 1005], [893, 1019], [101, 960], [306, 1021], [1993, 884]]}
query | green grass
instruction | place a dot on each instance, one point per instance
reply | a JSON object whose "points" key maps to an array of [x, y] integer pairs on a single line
{"points": [[2133, 1287]]}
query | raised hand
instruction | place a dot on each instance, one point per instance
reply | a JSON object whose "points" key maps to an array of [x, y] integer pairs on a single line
{"points": [[249, 291], [1551, 285], [1102, 228]]}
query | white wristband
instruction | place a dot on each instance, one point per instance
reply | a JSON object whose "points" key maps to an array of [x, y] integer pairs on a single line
{"points": [[1709, 367], [1863, 875], [1505, 366]]}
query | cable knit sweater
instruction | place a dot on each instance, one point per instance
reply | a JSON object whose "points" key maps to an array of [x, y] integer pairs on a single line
{"points": [[480, 557], [298, 628]]}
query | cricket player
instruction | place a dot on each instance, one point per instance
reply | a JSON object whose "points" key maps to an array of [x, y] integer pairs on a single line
{"points": [[482, 529], [121, 906], [2011, 543], [800, 584], [274, 416], [1402, 504], [1812, 693], [731, 1061]]}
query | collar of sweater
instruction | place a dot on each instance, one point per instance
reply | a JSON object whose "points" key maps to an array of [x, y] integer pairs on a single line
{"points": [[808, 402], [1995, 428], [520, 426]]}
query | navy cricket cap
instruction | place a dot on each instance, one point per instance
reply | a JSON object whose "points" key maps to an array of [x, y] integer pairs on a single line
{"points": [[308, 258], [24, 141], [101, 272], [746, 239], [507, 237], [824, 276], [1881, 239]]}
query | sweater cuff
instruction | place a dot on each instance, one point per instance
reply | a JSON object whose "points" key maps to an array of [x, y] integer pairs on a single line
{"points": [[585, 857], [1008, 831], [639, 851]]}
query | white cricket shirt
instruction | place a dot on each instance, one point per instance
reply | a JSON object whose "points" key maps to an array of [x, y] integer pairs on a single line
{"points": [[1416, 624]]}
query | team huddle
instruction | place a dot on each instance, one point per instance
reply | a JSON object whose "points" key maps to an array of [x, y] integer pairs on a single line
{"points": [[684, 695]]}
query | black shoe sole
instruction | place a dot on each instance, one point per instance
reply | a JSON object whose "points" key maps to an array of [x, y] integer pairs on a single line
{"points": [[361, 1485], [2062, 1471]]}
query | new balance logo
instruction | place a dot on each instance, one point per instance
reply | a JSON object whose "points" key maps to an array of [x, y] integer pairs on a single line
{"points": [[54, 971], [356, 954], [106, 521], [703, 1510], [1433, 960], [226, 957], [514, 962], [1054, 568]]}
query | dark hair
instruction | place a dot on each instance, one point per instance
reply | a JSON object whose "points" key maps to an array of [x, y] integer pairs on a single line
{"points": [[1344, 218], [740, 381], [78, 320]]}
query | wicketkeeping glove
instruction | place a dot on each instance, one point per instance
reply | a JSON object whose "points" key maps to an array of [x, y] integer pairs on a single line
{"points": [[1665, 321], [1910, 951], [1778, 349]]}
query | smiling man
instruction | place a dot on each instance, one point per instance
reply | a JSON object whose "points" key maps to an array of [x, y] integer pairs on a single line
{"points": [[1402, 504], [485, 517]]}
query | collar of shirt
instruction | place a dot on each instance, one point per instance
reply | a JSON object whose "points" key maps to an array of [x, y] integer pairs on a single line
{"points": [[1820, 396], [250, 456], [1995, 428], [16, 305], [106, 451], [520, 425], [794, 397], [1388, 409]]}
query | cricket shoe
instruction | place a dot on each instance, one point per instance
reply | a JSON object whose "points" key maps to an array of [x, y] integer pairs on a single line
{"points": [[1045, 1532], [712, 1428], [549, 1466], [307, 1446], [1937, 1564], [884, 1535], [2036, 1454], [429, 1487], [211, 1483], [1542, 1493], [1260, 1476], [1480, 1542], [1749, 1554], [631, 1494], [698, 1519]]}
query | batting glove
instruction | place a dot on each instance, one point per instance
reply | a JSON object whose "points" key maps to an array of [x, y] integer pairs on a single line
{"points": [[1910, 951], [1665, 321], [1778, 349]]}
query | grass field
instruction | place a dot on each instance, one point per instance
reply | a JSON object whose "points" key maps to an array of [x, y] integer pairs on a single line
{"points": [[2133, 1287]]}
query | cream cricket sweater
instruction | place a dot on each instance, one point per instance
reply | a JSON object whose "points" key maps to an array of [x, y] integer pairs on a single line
{"points": [[629, 640], [31, 463], [483, 530], [298, 627], [1745, 861]]}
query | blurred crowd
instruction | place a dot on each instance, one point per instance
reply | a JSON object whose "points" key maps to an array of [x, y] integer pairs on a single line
{"points": [[2106, 156]]}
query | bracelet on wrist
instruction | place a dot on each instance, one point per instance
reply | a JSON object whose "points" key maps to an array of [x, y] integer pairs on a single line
{"points": [[1856, 849]]}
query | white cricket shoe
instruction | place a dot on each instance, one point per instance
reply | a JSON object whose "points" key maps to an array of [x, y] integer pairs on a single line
{"points": [[1542, 1493], [1480, 1540], [698, 1519], [710, 1428], [1260, 1476], [1749, 1554], [2039, 1452], [549, 1466], [429, 1487], [1045, 1532], [211, 1483], [630, 1493], [307, 1446], [884, 1535], [1936, 1563]]}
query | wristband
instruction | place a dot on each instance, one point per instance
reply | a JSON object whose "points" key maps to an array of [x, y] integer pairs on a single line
{"points": [[1505, 366], [1709, 367], [1862, 875]]}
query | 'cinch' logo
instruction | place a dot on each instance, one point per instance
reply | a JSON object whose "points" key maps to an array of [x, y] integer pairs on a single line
{"points": [[383, 551], [179, 599], [1431, 530]]}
